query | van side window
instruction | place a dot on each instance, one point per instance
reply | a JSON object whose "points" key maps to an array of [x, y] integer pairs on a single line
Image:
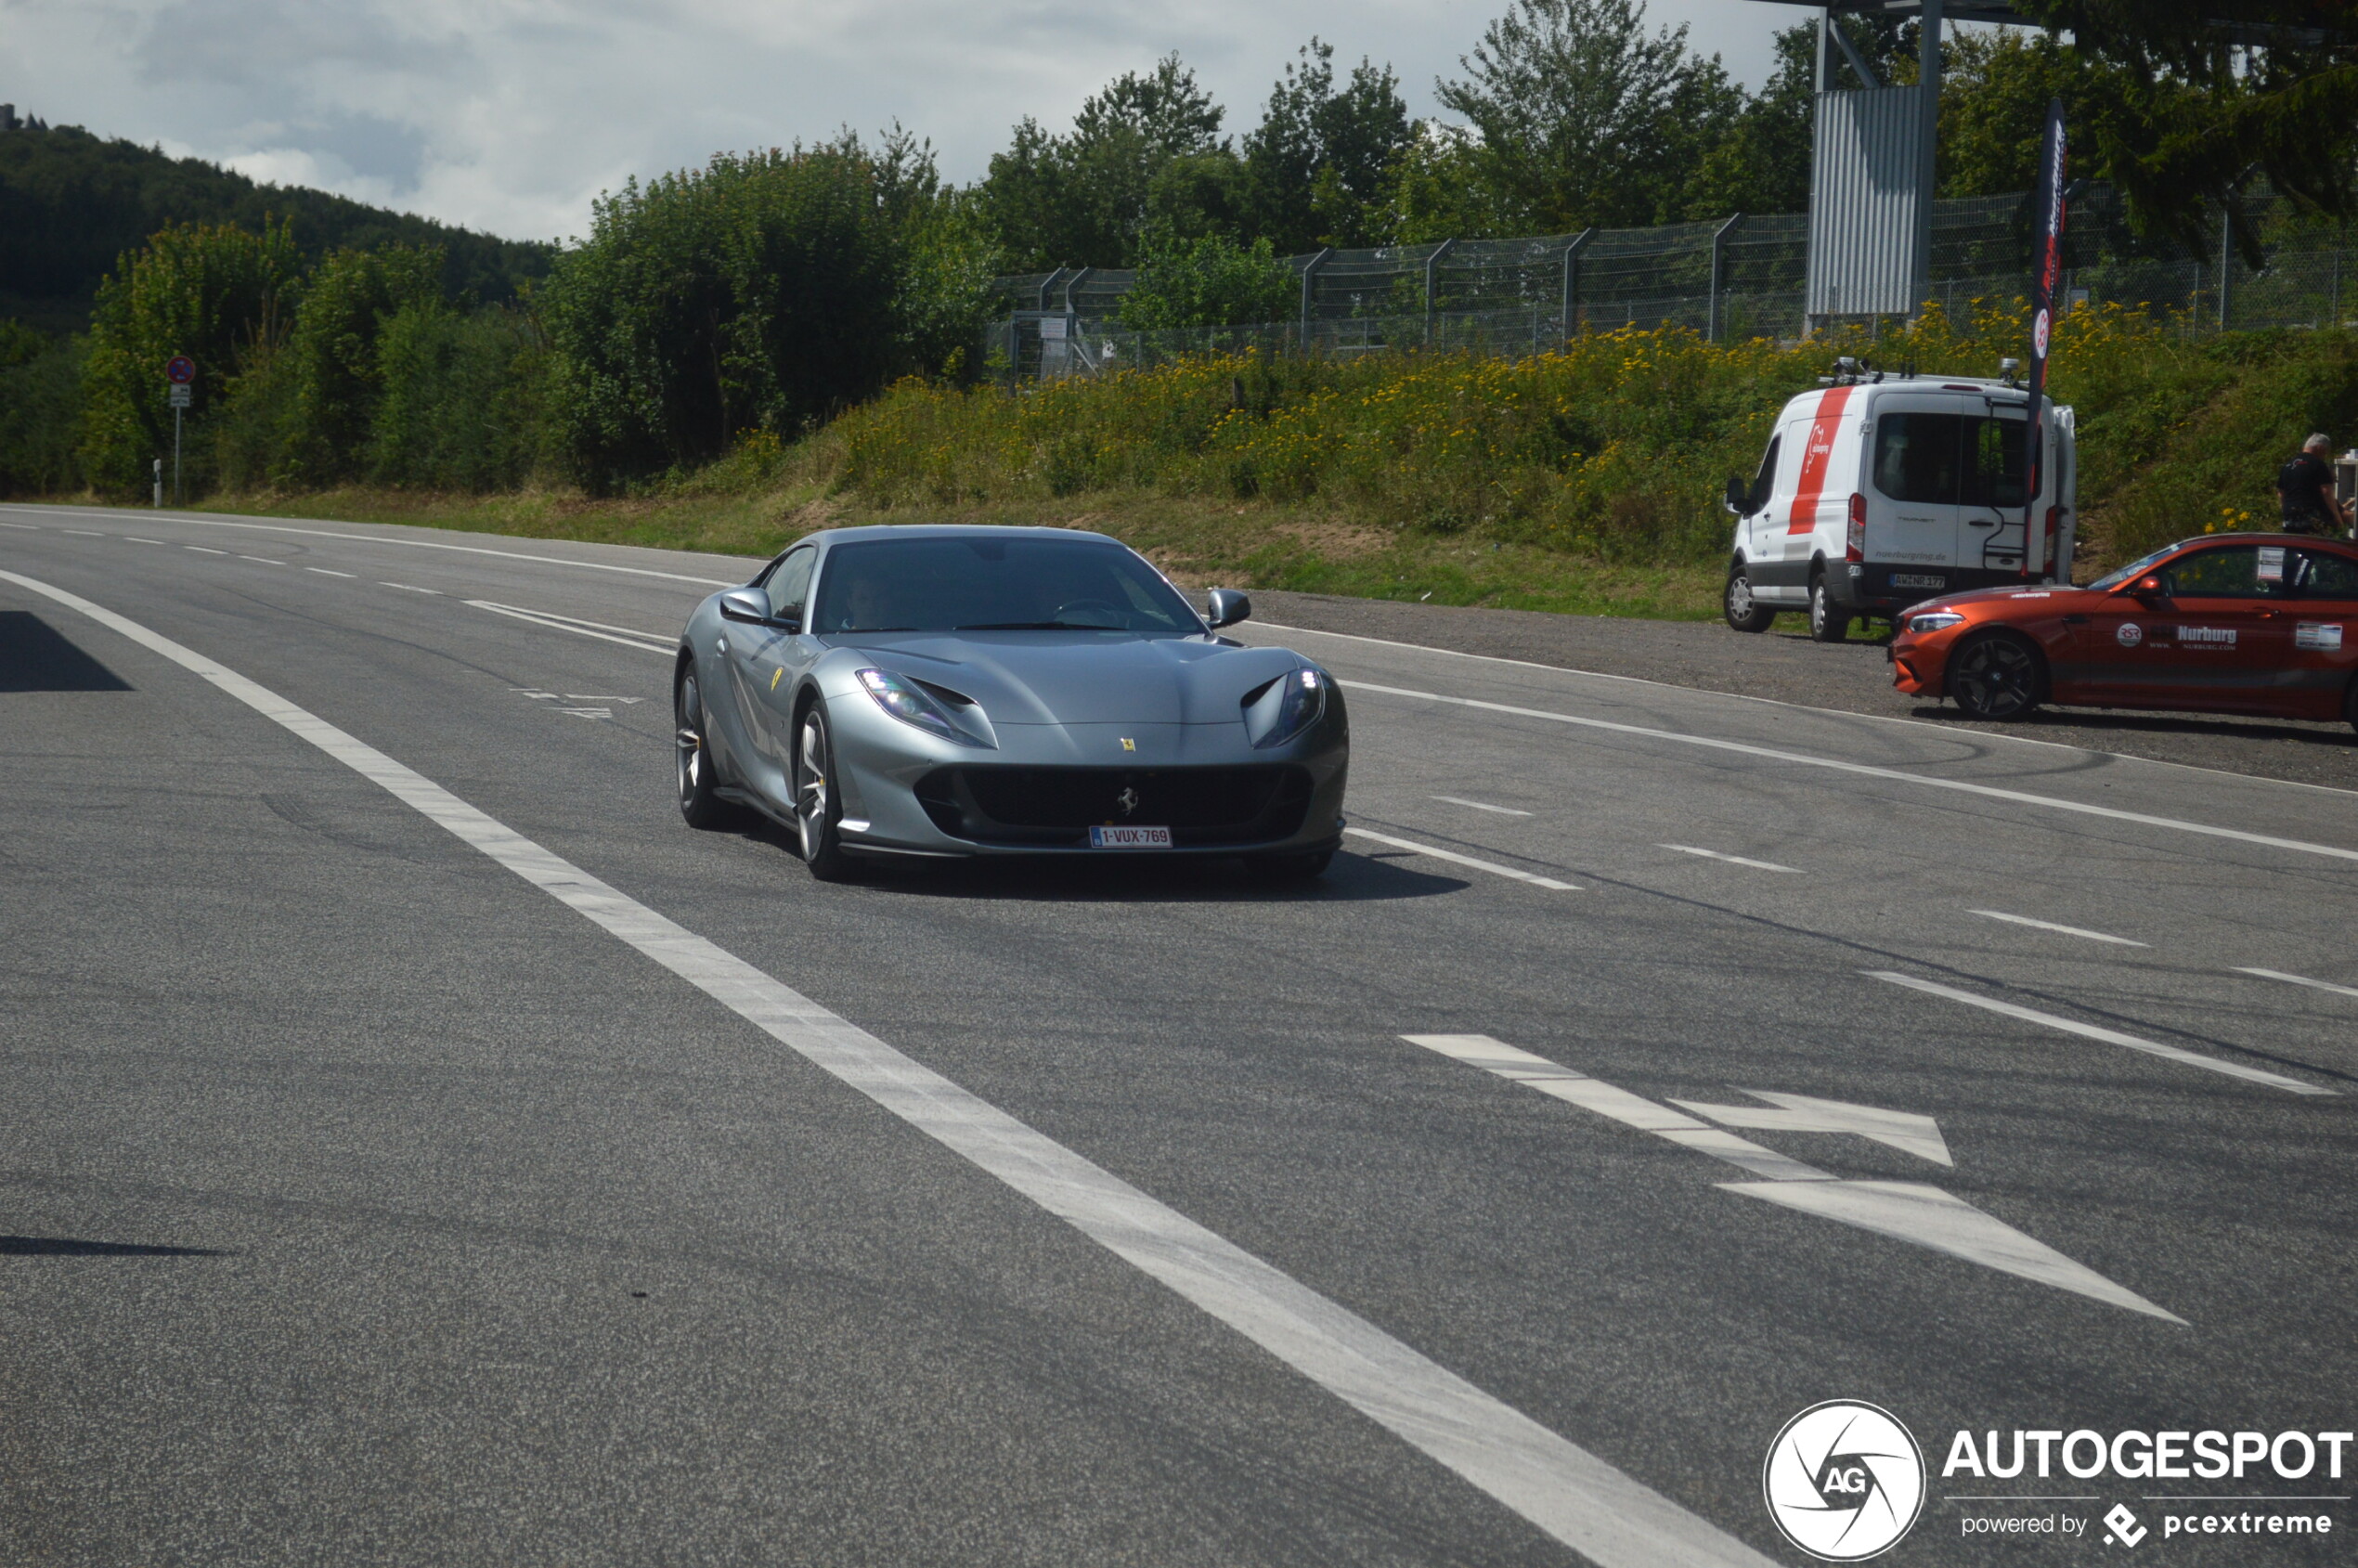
{"points": [[1916, 458], [1764, 482], [1994, 475]]}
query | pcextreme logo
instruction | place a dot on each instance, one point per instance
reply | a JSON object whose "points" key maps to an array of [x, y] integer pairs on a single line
{"points": [[1844, 1481]]}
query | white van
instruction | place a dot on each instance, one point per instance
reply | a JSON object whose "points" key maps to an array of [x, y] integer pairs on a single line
{"points": [[1880, 490]]}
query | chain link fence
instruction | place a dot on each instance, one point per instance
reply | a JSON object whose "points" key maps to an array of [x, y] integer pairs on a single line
{"points": [[1737, 277]]}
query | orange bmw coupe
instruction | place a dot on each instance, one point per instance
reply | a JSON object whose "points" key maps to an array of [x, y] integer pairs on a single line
{"points": [[2239, 623]]}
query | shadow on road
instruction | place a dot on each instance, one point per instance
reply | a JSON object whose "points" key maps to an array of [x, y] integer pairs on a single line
{"points": [[74, 1246], [36, 658]]}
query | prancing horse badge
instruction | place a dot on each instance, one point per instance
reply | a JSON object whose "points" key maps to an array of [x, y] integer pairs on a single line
{"points": [[1129, 744], [1127, 801]]}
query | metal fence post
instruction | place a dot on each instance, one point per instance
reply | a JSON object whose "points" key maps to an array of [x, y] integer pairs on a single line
{"points": [[1718, 255], [2226, 255], [1432, 262], [1572, 278], [1309, 277]]}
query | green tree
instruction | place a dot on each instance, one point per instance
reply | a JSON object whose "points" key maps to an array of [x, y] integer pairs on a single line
{"points": [[761, 292], [2195, 97], [1317, 166], [1576, 109], [216, 293], [462, 401], [40, 401], [1210, 281], [331, 377]]}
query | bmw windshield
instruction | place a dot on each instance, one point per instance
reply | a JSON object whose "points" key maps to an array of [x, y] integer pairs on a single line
{"points": [[1016, 584]]}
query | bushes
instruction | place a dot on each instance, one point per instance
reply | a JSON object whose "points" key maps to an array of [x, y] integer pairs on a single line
{"points": [[40, 394], [1614, 446], [463, 403]]}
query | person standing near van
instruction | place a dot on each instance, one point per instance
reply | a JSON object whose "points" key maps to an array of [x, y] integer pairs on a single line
{"points": [[2305, 491]]}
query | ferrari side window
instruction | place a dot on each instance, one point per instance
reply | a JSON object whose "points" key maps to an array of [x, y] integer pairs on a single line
{"points": [[789, 583], [2230, 572]]}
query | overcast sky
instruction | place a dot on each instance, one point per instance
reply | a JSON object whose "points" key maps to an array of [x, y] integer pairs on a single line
{"points": [[509, 115]]}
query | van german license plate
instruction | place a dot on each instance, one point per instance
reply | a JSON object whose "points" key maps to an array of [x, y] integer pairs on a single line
{"points": [[1130, 838], [1918, 580]]}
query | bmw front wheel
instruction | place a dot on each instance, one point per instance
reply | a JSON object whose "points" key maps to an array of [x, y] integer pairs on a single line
{"points": [[1997, 676], [817, 806]]}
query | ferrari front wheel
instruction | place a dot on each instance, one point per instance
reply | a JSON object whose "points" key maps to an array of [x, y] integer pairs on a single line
{"points": [[818, 808], [695, 770]]}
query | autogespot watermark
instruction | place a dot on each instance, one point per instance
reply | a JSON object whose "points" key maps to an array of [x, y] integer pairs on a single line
{"points": [[1845, 1481]]}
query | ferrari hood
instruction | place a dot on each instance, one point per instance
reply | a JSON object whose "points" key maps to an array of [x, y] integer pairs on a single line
{"points": [[1082, 678]]}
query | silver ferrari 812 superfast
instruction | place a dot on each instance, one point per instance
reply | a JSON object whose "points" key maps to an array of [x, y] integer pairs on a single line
{"points": [[960, 692]]}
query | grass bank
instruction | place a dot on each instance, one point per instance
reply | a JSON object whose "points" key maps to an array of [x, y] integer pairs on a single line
{"points": [[1584, 480]]}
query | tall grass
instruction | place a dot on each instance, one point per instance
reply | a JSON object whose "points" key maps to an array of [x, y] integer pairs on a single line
{"points": [[1614, 446]]}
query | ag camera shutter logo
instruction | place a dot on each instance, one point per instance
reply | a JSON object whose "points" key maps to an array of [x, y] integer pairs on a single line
{"points": [[1844, 1481]]}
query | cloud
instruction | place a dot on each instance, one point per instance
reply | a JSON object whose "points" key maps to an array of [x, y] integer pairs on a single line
{"points": [[512, 115]]}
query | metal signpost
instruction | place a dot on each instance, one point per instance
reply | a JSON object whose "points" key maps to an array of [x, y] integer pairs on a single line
{"points": [[180, 373]]}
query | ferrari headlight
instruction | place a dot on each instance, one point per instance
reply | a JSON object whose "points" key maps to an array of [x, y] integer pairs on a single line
{"points": [[1284, 709], [1934, 621], [911, 704]]}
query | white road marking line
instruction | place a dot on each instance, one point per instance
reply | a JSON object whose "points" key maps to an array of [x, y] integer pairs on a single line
{"points": [[2050, 926], [1731, 859], [551, 615], [1578, 1499], [202, 550], [593, 697], [328, 572], [83, 533], [1949, 730], [411, 588], [28, 527], [1906, 1130], [134, 538], [1868, 769], [426, 544], [1479, 805], [546, 623], [1490, 866], [263, 559], [2094, 1032], [588, 712], [2301, 979], [1904, 1210]]}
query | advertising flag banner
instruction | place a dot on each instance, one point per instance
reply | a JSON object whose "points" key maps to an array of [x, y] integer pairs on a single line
{"points": [[2046, 271]]}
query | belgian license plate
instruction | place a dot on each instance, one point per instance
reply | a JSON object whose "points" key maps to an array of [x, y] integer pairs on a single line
{"points": [[1917, 579], [1130, 838]]}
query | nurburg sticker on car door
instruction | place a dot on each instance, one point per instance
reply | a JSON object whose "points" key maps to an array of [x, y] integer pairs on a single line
{"points": [[2323, 636], [1815, 459]]}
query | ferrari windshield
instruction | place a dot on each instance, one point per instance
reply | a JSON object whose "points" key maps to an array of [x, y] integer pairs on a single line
{"points": [[1021, 583]]}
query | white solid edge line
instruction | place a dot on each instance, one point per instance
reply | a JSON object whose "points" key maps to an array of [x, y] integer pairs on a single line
{"points": [[1479, 805], [1805, 707], [1731, 859], [2300, 979], [2094, 1032], [1490, 866], [1578, 1499], [547, 624], [2050, 926], [574, 620], [414, 544], [1866, 770]]}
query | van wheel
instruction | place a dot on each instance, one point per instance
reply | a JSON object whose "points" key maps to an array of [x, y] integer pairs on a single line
{"points": [[1997, 676], [1826, 623], [1743, 612]]}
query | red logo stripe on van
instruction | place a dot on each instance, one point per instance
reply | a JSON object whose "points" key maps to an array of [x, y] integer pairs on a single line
{"points": [[1814, 460]]}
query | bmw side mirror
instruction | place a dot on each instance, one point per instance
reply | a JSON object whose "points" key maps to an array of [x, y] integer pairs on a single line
{"points": [[1226, 606], [746, 604], [2148, 589], [1738, 496]]}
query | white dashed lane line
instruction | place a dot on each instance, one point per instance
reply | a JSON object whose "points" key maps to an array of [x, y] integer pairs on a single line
{"points": [[2050, 926], [134, 538], [1731, 859], [645, 642], [412, 587], [330, 572], [2300, 979], [262, 560], [1493, 867], [26, 527], [202, 550], [1479, 805], [2094, 1031], [83, 533]]}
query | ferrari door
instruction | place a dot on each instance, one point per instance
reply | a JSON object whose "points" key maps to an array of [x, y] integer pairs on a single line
{"points": [[763, 659]]}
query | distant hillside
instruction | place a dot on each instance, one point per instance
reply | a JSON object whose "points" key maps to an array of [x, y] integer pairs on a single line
{"points": [[70, 203]]}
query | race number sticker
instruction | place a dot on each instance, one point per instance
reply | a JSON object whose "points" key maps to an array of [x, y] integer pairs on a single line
{"points": [[2323, 636], [2271, 562]]}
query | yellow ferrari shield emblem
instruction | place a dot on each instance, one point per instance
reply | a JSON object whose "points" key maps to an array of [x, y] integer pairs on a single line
{"points": [[1129, 744]]}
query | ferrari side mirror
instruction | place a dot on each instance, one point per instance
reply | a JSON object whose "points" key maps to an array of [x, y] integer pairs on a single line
{"points": [[746, 604], [1226, 606]]}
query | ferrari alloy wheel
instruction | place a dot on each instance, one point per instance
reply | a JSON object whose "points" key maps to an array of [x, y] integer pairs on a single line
{"points": [[817, 807], [1744, 613], [1997, 676], [699, 776], [1827, 624]]}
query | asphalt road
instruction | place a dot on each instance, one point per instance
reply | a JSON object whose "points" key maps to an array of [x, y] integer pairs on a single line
{"points": [[361, 1201]]}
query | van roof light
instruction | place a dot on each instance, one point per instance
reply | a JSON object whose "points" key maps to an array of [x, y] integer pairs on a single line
{"points": [[2008, 368]]}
